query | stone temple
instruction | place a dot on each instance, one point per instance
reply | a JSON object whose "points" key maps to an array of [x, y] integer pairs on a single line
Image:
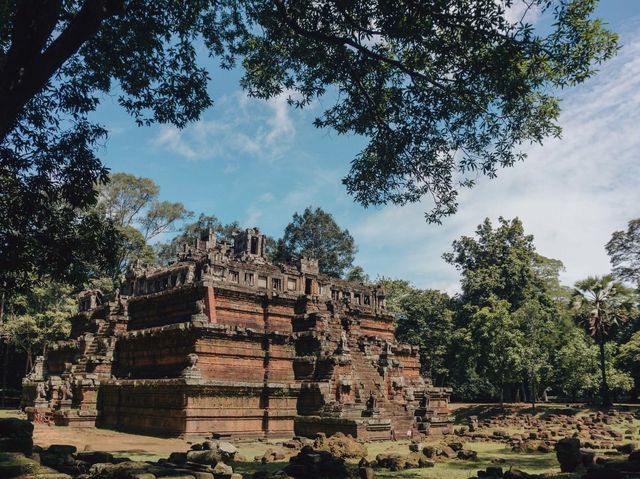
{"points": [[225, 343]]}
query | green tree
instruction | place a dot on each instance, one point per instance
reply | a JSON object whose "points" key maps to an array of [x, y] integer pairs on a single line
{"points": [[434, 91], [132, 204], [576, 365], [51, 240], [500, 342], [39, 318], [131, 201], [315, 234], [132, 247], [629, 359], [395, 290], [357, 273], [125, 197], [500, 262], [548, 270], [538, 325], [618, 380], [601, 304], [425, 318], [624, 251], [500, 268]]}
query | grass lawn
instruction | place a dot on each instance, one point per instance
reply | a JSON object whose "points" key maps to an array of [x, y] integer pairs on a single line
{"points": [[452, 469], [145, 448], [458, 469], [6, 413]]}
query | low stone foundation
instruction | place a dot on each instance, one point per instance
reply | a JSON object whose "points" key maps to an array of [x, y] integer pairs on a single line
{"points": [[310, 426], [194, 408]]}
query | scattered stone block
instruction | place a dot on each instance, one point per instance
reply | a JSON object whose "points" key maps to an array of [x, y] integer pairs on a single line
{"points": [[62, 449], [568, 454], [340, 445], [94, 457], [16, 435], [626, 448], [467, 455], [366, 473]]}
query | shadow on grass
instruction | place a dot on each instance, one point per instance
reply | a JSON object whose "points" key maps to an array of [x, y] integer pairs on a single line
{"points": [[250, 467], [406, 474], [457, 468]]}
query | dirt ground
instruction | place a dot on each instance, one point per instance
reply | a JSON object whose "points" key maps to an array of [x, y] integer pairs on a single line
{"points": [[134, 446], [94, 439], [137, 447]]}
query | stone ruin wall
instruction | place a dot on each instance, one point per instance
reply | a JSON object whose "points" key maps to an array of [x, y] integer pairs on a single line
{"points": [[224, 342]]}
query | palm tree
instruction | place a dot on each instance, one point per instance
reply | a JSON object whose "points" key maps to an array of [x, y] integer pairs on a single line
{"points": [[602, 303]]}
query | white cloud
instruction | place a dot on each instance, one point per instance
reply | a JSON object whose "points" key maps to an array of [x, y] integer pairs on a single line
{"points": [[254, 214], [521, 11], [571, 194], [170, 138], [263, 130]]}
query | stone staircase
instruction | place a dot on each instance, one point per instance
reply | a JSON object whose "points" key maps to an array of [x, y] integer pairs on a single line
{"points": [[81, 363], [389, 414]]}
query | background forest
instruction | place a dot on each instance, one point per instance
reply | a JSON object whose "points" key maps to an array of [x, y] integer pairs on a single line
{"points": [[512, 333]]}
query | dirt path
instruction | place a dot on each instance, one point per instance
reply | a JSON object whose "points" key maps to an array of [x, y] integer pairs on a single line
{"points": [[93, 439]]}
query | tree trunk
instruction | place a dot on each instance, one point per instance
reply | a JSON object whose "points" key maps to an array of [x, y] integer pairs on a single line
{"points": [[30, 62], [5, 366], [604, 388], [2, 308], [29, 361], [533, 393]]}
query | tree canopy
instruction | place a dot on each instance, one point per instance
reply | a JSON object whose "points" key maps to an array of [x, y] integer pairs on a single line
{"points": [[130, 201], [424, 317], [602, 304], [624, 252], [39, 318], [315, 234], [132, 204], [501, 262], [509, 314], [437, 88]]}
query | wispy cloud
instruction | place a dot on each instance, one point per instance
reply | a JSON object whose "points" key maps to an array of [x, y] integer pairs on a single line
{"points": [[521, 11], [263, 130], [571, 194]]}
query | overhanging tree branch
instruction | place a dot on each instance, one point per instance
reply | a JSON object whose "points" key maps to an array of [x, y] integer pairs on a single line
{"points": [[27, 71]]}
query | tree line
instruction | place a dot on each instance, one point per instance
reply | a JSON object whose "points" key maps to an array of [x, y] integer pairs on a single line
{"points": [[513, 332], [433, 92]]}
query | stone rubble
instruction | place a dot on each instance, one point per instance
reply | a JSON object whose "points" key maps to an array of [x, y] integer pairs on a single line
{"points": [[207, 460], [596, 430]]}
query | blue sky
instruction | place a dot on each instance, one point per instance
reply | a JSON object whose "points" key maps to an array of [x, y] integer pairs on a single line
{"points": [[259, 162]]}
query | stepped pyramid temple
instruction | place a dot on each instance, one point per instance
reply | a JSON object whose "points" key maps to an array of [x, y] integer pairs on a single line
{"points": [[224, 343]]}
